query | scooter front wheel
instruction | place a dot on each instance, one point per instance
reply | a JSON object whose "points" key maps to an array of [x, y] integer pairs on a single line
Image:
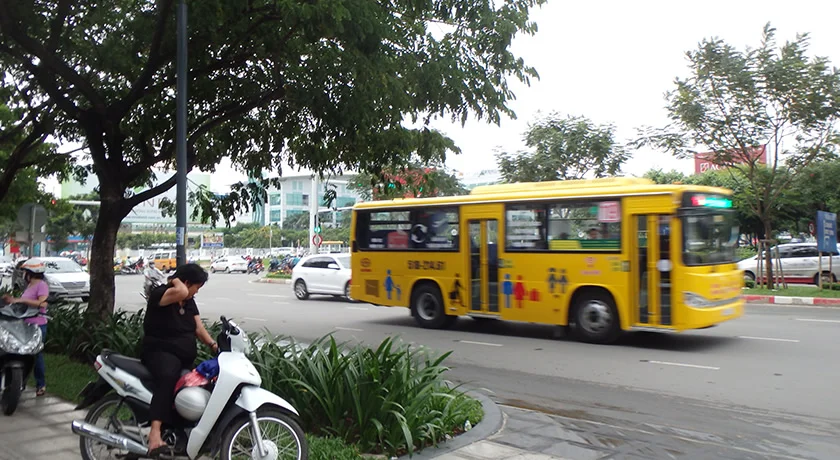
{"points": [[13, 389], [282, 438]]}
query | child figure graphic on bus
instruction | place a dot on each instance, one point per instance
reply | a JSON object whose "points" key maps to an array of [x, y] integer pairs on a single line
{"points": [[519, 291], [390, 286]]}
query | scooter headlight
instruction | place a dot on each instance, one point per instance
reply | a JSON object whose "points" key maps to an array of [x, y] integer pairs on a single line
{"points": [[20, 338]]}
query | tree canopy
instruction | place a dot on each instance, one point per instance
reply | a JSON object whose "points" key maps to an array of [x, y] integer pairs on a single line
{"points": [[413, 180], [737, 104], [564, 148], [321, 85]]}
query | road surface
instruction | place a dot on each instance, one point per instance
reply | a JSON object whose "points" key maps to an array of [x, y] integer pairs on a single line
{"points": [[762, 386]]}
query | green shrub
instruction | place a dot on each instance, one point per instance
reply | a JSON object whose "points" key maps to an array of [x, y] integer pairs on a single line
{"points": [[745, 252], [122, 331], [392, 399], [278, 276], [331, 449], [749, 284]]}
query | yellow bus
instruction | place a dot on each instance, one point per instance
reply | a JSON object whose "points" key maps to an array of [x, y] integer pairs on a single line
{"points": [[595, 256]]}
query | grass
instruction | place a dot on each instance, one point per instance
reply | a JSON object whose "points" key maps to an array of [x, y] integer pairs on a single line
{"points": [[278, 276], [66, 378], [795, 291]]}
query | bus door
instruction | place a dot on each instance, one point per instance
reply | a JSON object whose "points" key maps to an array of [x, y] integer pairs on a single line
{"points": [[652, 270], [482, 264]]}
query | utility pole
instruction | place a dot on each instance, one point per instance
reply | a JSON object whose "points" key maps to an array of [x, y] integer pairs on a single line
{"points": [[181, 135]]}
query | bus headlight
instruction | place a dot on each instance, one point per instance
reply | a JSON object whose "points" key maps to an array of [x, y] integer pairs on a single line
{"points": [[697, 301]]}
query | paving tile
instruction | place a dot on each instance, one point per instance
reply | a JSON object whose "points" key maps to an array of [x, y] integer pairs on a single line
{"points": [[488, 450], [567, 450], [453, 456], [524, 441], [534, 456]]}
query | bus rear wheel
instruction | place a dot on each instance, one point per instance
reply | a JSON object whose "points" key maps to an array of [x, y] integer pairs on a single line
{"points": [[596, 318], [428, 309]]}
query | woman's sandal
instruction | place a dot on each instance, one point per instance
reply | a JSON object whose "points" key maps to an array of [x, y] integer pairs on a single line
{"points": [[41, 391], [160, 450]]}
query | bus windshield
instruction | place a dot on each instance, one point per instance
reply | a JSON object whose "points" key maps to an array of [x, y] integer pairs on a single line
{"points": [[709, 238]]}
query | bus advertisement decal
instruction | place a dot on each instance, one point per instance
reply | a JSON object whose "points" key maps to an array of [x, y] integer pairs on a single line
{"points": [[555, 282], [426, 265]]}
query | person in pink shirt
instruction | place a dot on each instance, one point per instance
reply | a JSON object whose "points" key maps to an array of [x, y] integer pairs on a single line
{"points": [[35, 295]]}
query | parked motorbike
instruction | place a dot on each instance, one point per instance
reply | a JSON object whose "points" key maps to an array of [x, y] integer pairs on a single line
{"points": [[230, 417], [19, 343], [153, 279]]}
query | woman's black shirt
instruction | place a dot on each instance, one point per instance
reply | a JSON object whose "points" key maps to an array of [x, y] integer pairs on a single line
{"points": [[170, 328]]}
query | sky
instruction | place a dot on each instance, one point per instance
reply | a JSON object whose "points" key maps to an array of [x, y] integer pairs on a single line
{"points": [[613, 61]]}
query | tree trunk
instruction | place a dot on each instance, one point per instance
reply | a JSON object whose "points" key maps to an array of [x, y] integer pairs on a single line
{"points": [[101, 262], [768, 255]]}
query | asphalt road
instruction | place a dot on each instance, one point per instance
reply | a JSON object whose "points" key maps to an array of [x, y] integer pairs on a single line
{"points": [[765, 385]]}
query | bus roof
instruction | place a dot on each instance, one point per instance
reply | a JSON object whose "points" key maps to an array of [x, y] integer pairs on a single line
{"points": [[525, 191]]}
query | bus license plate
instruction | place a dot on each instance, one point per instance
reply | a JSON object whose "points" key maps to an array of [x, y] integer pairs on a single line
{"points": [[729, 312]]}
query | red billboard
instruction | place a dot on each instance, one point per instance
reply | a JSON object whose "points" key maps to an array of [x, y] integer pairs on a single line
{"points": [[706, 160]]}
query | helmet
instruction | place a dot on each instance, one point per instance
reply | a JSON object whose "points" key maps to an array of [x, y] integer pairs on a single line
{"points": [[34, 265], [190, 402]]}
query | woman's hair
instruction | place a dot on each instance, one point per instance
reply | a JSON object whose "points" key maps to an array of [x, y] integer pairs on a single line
{"points": [[190, 273], [30, 275]]}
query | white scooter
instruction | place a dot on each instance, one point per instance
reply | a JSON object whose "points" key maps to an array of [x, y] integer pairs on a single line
{"points": [[236, 419]]}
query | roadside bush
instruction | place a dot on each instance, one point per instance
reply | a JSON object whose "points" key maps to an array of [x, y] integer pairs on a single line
{"points": [[749, 284], [392, 399], [121, 332], [278, 276], [745, 252]]}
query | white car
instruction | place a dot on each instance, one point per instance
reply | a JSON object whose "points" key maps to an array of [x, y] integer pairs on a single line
{"points": [[6, 266], [322, 274], [66, 278], [229, 264], [800, 264]]}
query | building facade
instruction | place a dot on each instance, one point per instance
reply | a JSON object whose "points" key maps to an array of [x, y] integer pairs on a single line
{"points": [[295, 197]]}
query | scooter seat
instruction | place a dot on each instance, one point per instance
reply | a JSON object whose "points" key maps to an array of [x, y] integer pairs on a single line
{"points": [[131, 365]]}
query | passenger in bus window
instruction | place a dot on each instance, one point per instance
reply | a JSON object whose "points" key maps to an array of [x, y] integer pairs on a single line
{"points": [[593, 234]]}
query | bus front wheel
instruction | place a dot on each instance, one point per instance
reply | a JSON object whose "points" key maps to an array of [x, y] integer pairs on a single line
{"points": [[596, 318], [428, 309]]}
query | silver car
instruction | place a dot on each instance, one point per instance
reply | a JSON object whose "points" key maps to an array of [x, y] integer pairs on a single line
{"points": [[66, 278], [800, 264]]}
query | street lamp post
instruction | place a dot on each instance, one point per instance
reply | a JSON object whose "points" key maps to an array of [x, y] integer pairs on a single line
{"points": [[181, 136]]}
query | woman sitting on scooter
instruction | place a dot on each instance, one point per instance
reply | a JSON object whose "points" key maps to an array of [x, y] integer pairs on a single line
{"points": [[171, 326], [35, 295]]}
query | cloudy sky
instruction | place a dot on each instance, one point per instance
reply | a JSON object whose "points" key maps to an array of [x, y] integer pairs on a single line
{"points": [[612, 61]]}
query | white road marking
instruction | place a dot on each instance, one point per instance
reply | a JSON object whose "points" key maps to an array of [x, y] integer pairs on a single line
{"points": [[223, 298], [255, 319], [279, 296], [695, 366], [282, 303], [357, 308], [767, 338], [819, 320], [339, 328], [481, 343]]}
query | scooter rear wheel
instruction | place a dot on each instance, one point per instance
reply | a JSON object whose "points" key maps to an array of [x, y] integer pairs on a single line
{"points": [[14, 387], [104, 414]]}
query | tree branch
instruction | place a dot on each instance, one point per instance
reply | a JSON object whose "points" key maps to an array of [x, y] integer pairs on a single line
{"points": [[57, 24], [152, 192], [47, 81], [48, 60], [152, 64]]}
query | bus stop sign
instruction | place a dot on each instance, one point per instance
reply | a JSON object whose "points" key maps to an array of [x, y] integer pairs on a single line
{"points": [[827, 232]]}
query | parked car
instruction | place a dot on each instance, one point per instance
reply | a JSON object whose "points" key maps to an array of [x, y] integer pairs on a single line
{"points": [[322, 274], [66, 278], [800, 264], [229, 264]]}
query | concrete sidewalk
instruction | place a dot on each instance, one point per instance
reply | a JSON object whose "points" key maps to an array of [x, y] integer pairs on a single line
{"points": [[39, 429]]}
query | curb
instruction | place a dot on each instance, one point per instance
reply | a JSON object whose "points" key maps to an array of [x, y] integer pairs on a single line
{"points": [[272, 281], [489, 425], [785, 300]]}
